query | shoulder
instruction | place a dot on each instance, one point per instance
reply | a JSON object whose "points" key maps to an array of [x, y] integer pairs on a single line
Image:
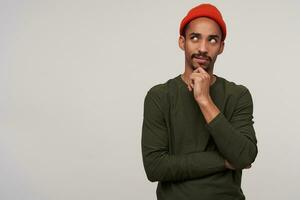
{"points": [[159, 93], [237, 96], [161, 90], [234, 89], [157, 96]]}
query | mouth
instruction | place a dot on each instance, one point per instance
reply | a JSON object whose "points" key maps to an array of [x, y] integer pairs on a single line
{"points": [[201, 59]]}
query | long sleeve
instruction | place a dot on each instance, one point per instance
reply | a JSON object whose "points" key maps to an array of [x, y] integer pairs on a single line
{"points": [[235, 138], [159, 164]]}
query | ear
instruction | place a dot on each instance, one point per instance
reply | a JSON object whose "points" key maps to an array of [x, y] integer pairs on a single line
{"points": [[181, 42], [221, 48]]}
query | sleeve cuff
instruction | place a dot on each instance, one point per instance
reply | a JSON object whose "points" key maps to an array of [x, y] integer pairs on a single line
{"points": [[215, 121]]}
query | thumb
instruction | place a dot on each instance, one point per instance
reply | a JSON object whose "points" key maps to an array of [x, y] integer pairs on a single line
{"points": [[200, 70]]}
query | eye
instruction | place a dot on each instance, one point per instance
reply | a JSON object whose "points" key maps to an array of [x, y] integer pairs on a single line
{"points": [[194, 38], [213, 41]]}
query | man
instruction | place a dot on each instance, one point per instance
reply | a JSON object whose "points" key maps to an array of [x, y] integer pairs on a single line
{"points": [[197, 133]]}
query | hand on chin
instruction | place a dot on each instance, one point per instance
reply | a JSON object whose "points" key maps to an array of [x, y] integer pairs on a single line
{"points": [[205, 67]]}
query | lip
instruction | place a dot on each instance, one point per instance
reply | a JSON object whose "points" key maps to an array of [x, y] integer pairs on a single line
{"points": [[200, 60]]}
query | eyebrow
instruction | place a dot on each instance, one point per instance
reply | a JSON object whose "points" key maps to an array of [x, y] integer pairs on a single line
{"points": [[195, 34], [214, 36]]}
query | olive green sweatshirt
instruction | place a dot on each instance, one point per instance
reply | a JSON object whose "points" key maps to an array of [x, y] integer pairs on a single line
{"points": [[185, 154]]}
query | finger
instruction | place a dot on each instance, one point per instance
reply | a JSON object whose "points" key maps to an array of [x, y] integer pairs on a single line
{"points": [[201, 70], [200, 76], [198, 70], [197, 77], [189, 86], [191, 83]]}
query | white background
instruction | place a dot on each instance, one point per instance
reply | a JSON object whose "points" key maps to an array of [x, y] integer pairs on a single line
{"points": [[73, 76]]}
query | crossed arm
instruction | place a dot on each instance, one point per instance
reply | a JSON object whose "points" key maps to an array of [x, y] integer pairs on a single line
{"points": [[235, 140]]}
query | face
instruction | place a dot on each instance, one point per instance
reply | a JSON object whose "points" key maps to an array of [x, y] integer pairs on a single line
{"points": [[201, 44]]}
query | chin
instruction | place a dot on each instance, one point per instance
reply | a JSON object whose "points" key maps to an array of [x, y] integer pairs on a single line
{"points": [[206, 68]]}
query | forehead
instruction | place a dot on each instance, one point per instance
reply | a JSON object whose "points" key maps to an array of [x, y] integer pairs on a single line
{"points": [[204, 26]]}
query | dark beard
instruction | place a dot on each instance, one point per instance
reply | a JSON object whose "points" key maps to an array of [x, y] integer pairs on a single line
{"points": [[203, 55]]}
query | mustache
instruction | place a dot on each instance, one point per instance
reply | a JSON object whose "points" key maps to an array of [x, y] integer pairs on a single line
{"points": [[201, 55]]}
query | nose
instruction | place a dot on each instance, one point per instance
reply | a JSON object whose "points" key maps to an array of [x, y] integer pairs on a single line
{"points": [[202, 46]]}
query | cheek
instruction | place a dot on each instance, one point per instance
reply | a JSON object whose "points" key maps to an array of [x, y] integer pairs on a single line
{"points": [[190, 46], [189, 54], [187, 50], [191, 49], [215, 52]]}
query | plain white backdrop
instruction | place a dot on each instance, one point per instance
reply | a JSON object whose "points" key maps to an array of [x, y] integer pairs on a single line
{"points": [[74, 74]]}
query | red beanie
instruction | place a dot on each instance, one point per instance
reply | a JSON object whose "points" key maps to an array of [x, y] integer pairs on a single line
{"points": [[204, 10]]}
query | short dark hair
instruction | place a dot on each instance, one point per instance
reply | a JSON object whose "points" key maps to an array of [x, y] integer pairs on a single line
{"points": [[184, 30]]}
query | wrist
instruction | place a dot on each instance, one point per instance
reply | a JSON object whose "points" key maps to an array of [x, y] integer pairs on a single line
{"points": [[204, 101], [208, 109]]}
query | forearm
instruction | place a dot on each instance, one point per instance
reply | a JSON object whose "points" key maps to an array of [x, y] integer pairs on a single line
{"points": [[233, 144], [160, 166], [158, 163], [237, 144]]}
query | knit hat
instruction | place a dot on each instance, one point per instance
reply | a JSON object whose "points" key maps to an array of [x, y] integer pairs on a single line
{"points": [[204, 10]]}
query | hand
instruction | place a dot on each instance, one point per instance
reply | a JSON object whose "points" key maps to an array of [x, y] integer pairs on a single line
{"points": [[200, 82], [228, 165]]}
